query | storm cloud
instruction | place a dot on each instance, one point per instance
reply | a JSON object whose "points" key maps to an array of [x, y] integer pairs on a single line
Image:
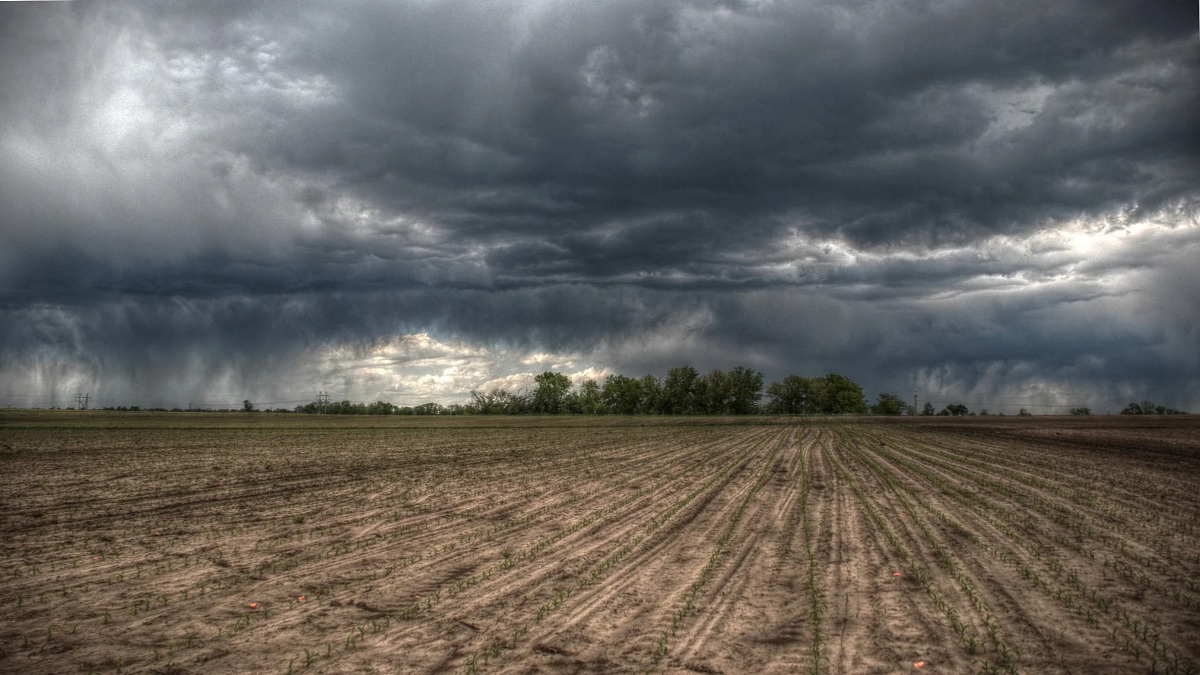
{"points": [[989, 202]]}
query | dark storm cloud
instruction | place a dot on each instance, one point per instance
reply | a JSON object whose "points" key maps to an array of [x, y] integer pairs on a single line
{"points": [[882, 125], [953, 194]]}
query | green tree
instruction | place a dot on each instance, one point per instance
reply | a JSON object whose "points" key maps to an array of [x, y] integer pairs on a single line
{"points": [[957, 409], [679, 391], [890, 404], [342, 407], [814, 396], [652, 395], [587, 399], [1081, 411], [928, 410], [551, 393], [1150, 408], [494, 402], [744, 390], [621, 394], [711, 391], [787, 396], [247, 406], [839, 395], [381, 408], [832, 394]]}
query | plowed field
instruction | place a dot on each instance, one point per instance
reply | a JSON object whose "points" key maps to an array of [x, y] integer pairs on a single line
{"points": [[179, 543]]}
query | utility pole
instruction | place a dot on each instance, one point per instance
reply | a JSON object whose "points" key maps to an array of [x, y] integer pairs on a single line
{"points": [[322, 401], [82, 400], [915, 411]]}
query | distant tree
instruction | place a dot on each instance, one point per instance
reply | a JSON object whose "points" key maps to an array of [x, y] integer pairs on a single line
{"points": [[957, 410], [1081, 411], [494, 402], [247, 406], [1149, 408], [711, 392], [429, 409], [621, 394], [381, 408], [679, 391], [928, 409], [514, 403], [890, 404], [832, 394], [590, 400], [815, 401], [518, 402], [653, 400], [745, 387], [841, 396], [551, 393], [497, 402], [587, 398], [786, 397], [984, 412], [735, 392], [1023, 413]]}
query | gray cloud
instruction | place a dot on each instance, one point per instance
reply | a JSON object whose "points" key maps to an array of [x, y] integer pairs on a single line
{"points": [[967, 199]]}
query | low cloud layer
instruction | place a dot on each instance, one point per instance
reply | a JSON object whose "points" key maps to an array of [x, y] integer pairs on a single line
{"points": [[218, 201]]}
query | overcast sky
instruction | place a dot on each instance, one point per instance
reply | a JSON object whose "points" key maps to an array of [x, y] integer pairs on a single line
{"points": [[989, 202]]}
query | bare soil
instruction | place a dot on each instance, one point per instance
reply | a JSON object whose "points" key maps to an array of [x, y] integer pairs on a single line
{"points": [[231, 543]]}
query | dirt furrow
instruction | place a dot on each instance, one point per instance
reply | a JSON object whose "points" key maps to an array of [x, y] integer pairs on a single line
{"points": [[638, 592], [495, 609], [1042, 605], [738, 623]]}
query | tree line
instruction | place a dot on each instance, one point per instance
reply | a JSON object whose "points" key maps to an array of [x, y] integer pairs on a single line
{"points": [[683, 391], [1150, 408], [377, 408]]}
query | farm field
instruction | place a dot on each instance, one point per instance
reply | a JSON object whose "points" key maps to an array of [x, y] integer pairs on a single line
{"points": [[229, 543]]}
